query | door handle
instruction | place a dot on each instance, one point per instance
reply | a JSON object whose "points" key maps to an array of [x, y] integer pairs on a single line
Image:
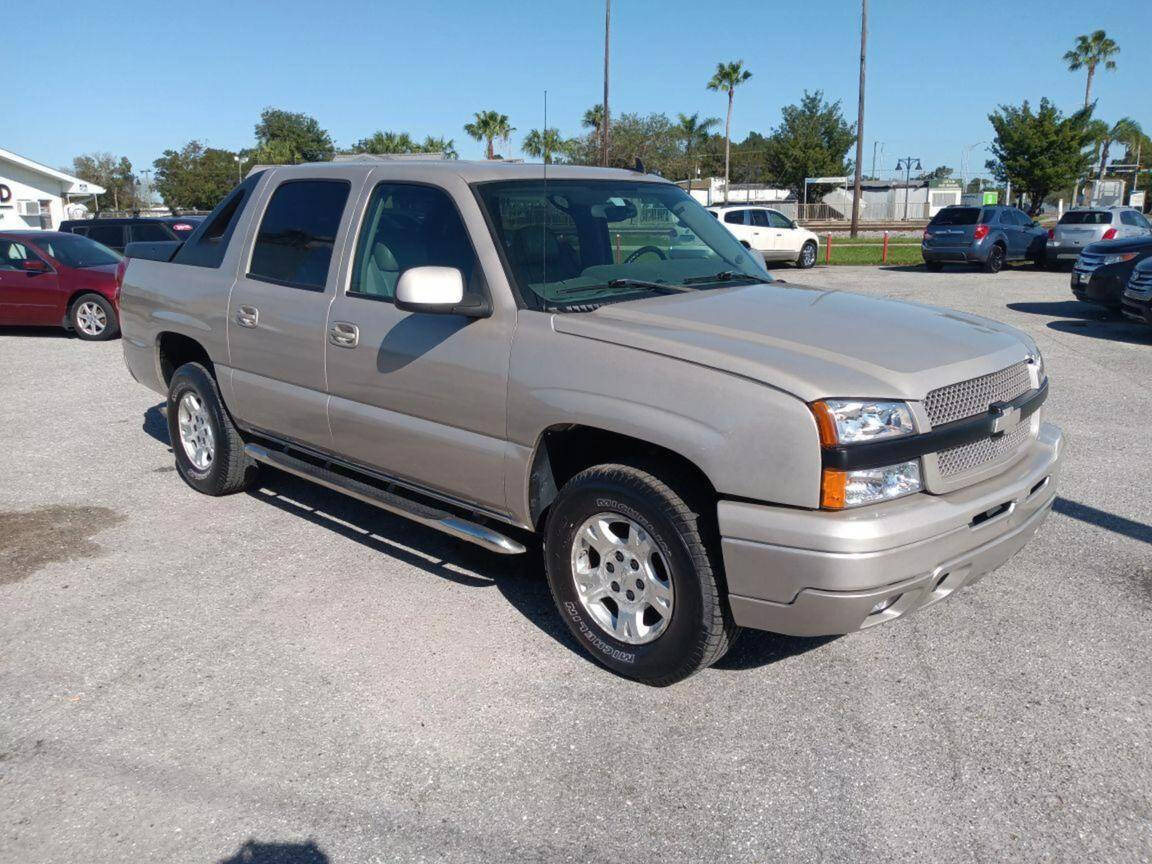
{"points": [[247, 316], [344, 335]]}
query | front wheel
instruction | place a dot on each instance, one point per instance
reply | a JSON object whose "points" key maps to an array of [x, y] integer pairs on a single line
{"points": [[93, 318], [807, 257], [632, 578]]}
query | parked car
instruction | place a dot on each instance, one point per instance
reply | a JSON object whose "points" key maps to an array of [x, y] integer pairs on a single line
{"points": [[700, 448], [1103, 269], [1137, 299], [1080, 227], [54, 279], [991, 236], [770, 233], [118, 233]]}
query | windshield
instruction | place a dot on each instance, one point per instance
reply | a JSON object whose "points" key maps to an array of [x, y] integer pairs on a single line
{"points": [[957, 216], [74, 250], [1086, 217], [579, 242]]}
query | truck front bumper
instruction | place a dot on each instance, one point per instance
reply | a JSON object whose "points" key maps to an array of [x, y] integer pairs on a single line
{"points": [[814, 573]]}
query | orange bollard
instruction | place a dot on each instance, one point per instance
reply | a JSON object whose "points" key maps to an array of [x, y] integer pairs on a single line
{"points": [[828, 249], [884, 254]]}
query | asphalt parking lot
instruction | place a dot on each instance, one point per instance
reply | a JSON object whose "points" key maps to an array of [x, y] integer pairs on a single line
{"points": [[291, 676]]}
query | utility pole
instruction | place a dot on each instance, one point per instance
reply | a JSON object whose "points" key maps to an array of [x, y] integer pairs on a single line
{"points": [[874, 175], [606, 121], [905, 165], [860, 121]]}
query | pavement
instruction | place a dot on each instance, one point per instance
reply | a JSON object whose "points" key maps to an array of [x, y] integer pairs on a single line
{"points": [[290, 676]]}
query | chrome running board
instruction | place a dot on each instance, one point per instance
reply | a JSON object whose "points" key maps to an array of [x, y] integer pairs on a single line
{"points": [[441, 520]]}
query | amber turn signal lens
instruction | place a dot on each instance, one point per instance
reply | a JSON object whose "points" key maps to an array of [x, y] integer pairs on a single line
{"points": [[825, 424], [833, 489]]}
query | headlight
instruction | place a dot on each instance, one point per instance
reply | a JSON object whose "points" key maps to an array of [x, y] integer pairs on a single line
{"points": [[862, 421], [840, 489], [1118, 258], [855, 421]]}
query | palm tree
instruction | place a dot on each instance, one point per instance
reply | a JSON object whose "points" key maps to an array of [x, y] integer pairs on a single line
{"points": [[488, 126], [386, 142], [1125, 131], [694, 131], [594, 120], [544, 144], [1090, 52], [728, 77]]}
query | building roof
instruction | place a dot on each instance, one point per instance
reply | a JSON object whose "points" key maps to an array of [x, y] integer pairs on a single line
{"points": [[69, 184]]}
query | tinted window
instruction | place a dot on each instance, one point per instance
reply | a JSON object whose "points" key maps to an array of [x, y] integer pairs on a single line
{"points": [[210, 236], [1086, 217], [779, 220], [298, 231], [1129, 218], [759, 218], [77, 251], [83, 232], [735, 217], [149, 232], [957, 216], [1141, 221], [110, 235], [408, 226]]}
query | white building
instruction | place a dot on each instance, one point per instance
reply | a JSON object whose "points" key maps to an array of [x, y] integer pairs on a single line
{"points": [[36, 196]]}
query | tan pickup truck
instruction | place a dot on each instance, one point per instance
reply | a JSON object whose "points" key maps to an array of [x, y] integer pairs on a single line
{"points": [[588, 356]]}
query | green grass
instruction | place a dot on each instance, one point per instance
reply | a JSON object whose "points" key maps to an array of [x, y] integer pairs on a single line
{"points": [[869, 250]]}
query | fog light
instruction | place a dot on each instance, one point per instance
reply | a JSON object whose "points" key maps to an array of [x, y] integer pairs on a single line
{"points": [[885, 603], [840, 489]]}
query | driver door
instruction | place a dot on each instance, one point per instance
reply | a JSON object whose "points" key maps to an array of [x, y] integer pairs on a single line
{"points": [[26, 296], [786, 240]]}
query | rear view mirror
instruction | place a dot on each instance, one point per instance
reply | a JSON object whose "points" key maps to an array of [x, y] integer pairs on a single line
{"points": [[436, 291]]}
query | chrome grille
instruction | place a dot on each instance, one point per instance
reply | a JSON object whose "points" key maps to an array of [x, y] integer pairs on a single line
{"points": [[1088, 262], [972, 397], [1140, 285], [968, 457]]}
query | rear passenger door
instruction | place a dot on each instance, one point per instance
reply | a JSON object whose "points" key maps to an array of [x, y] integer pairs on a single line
{"points": [[279, 306], [111, 236], [150, 232], [419, 397]]}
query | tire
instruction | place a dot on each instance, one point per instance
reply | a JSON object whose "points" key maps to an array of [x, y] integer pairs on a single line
{"points": [[933, 266], [995, 262], [807, 257], [194, 403], [665, 535], [93, 319]]}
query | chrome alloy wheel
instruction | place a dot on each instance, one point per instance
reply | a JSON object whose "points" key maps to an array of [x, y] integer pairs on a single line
{"points": [[622, 579], [196, 432], [91, 318]]}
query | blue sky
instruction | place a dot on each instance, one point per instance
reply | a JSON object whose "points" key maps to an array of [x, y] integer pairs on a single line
{"points": [[205, 69]]}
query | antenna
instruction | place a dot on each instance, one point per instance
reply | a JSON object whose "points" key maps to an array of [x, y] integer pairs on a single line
{"points": [[544, 221]]}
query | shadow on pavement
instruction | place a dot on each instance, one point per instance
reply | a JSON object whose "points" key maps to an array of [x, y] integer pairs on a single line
{"points": [[156, 424], [1068, 309], [1103, 519], [757, 648], [253, 852]]}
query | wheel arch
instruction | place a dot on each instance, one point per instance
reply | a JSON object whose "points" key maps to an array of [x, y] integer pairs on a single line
{"points": [[173, 350]]}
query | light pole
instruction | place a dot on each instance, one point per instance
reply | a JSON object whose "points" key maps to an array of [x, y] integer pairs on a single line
{"points": [[964, 157], [905, 165], [860, 120], [147, 184], [238, 160], [606, 122]]}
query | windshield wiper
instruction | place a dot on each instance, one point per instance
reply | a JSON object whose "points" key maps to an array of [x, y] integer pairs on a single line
{"points": [[615, 284], [727, 276]]}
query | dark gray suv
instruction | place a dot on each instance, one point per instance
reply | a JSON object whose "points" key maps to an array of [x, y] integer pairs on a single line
{"points": [[990, 236]]}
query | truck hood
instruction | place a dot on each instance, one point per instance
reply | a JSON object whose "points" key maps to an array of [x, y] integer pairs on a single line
{"points": [[810, 342]]}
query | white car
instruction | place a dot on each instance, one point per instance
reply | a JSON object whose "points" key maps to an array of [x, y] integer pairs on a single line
{"points": [[771, 233]]}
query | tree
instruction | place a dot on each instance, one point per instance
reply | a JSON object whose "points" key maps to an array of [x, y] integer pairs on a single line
{"points": [[812, 140], [728, 77], [1039, 150], [446, 147], [544, 145], [385, 142], [940, 172], [594, 119], [284, 137], [487, 127], [694, 132], [114, 174], [195, 177], [1090, 52], [650, 138]]}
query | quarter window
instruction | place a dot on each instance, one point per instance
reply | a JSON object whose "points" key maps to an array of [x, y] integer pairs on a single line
{"points": [[408, 226], [298, 231], [111, 236], [149, 232]]}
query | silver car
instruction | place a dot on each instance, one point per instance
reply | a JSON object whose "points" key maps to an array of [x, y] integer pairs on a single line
{"points": [[1084, 225]]}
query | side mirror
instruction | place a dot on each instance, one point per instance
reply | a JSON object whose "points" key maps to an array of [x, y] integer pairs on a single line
{"points": [[436, 291], [32, 266]]}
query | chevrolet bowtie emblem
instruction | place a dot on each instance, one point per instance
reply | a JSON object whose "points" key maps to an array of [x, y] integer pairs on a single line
{"points": [[1005, 417]]}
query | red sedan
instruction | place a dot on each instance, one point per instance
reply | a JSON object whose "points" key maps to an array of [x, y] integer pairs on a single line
{"points": [[53, 279]]}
